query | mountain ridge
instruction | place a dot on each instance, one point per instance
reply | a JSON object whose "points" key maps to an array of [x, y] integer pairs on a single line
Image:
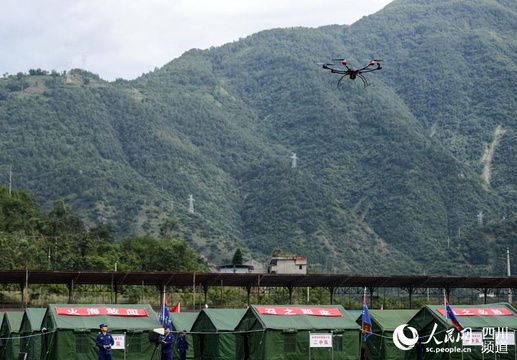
{"points": [[387, 175]]}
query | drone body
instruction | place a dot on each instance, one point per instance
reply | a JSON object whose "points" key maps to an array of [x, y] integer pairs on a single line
{"points": [[352, 73]]}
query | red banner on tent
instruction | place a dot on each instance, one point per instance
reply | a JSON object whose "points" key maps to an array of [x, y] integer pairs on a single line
{"points": [[100, 310], [286, 310], [478, 311]]}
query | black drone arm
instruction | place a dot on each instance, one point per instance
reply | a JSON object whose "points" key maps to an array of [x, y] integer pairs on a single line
{"points": [[334, 70], [338, 71], [369, 68]]}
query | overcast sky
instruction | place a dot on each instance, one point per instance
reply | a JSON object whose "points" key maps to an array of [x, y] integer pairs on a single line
{"points": [[126, 38]]}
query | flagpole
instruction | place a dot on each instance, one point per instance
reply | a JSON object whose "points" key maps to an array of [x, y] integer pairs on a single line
{"points": [[162, 305], [444, 299], [362, 319], [361, 334], [362, 324]]}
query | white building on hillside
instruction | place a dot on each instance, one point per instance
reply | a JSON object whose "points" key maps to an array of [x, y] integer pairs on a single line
{"points": [[288, 265]]}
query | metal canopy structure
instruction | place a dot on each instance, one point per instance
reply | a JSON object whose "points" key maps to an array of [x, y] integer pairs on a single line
{"points": [[251, 280], [331, 282]]}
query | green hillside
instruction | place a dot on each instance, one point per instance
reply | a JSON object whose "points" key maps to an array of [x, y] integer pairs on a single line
{"points": [[391, 178]]}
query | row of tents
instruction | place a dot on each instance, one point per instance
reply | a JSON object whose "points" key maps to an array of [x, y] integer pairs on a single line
{"points": [[260, 332]]}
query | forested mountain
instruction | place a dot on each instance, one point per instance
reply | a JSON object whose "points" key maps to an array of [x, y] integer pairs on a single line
{"points": [[398, 177]]}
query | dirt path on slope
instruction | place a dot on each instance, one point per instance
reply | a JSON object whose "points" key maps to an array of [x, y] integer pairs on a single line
{"points": [[488, 155]]}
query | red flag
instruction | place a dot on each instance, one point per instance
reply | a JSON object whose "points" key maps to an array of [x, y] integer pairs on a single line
{"points": [[176, 308]]}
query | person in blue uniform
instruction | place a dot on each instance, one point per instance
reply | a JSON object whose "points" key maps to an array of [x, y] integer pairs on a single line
{"points": [[167, 341], [104, 342], [183, 345]]}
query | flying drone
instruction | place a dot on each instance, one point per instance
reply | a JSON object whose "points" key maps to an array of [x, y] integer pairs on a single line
{"points": [[351, 72]]}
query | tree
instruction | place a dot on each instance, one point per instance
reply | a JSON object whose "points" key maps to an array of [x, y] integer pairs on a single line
{"points": [[17, 210], [166, 229], [147, 253], [237, 257], [66, 237]]}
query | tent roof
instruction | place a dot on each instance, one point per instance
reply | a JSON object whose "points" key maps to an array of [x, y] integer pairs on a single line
{"points": [[302, 322], [183, 320], [12, 321], [114, 322], [217, 320], [472, 321], [388, 320], [32, 319]]}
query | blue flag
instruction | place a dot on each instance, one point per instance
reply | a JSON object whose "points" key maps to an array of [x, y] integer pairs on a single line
{"points": [[366, 322], [449, 314], [165, 317]]}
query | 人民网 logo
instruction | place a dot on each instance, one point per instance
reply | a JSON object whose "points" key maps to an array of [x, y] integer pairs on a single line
{"points": [[403, 342]]}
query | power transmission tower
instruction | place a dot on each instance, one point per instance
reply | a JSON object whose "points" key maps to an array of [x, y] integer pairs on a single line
{"points": [[190, 204], [293, 161], [68, 75], [480, 217], [10, 179]]}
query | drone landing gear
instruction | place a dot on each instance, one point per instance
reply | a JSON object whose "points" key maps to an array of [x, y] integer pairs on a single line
{"points": [[353, 77]]}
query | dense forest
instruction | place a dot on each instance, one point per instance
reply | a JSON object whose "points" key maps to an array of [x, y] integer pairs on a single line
{"points": [[58, 239], [412, 174]]}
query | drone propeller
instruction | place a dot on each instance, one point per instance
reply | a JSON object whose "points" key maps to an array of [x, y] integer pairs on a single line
{"points": [[343, 61], [326, 65]]}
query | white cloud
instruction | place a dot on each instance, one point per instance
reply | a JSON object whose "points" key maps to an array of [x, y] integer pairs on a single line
{"points": [[125, 38]]}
